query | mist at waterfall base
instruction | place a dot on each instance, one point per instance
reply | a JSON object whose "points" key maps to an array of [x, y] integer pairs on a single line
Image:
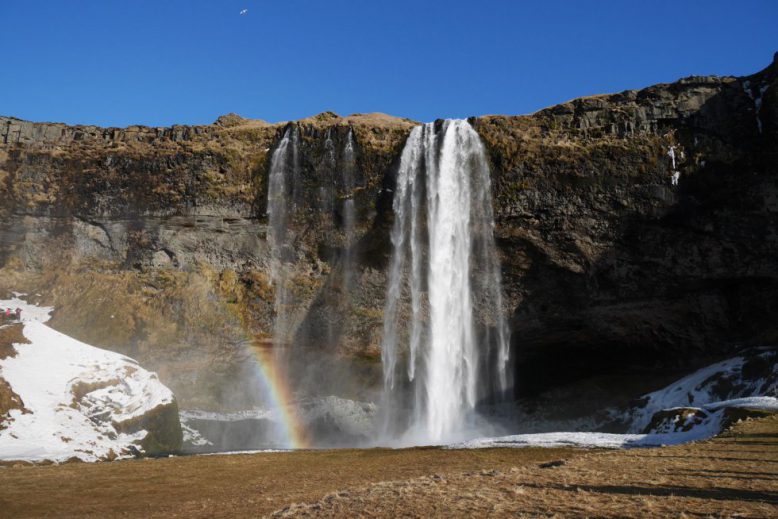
{"points": [[445, 344]]}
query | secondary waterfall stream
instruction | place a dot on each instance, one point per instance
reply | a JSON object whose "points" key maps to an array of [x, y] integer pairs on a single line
{"points": [[348, 180], [302, 328], [444, 298], [284, 173]]}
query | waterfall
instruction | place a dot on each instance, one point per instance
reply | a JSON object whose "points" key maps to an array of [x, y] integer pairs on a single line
{"points": [[340, 182], [349, 209], [281, 202], [349, 183], [282, 199], [444, 287], [328, 169]]}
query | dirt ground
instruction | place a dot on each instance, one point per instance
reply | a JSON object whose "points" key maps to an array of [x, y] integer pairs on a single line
{"points": [[732, 476]]}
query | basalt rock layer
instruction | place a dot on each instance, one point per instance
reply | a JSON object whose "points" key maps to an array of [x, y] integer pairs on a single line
{"points": [[153, 241]]}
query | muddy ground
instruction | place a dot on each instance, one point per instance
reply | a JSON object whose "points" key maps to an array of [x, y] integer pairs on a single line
{"points": [[735, 475]]}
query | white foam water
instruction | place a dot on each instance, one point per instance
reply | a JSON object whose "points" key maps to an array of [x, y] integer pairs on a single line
{"points": [[444, 263]]}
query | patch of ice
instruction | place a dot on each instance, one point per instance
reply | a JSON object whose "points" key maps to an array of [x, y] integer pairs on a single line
{"points": [[709, 428]]}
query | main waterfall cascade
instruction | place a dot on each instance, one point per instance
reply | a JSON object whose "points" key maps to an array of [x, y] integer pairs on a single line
{"points": [[445, 342], [444, 280]]}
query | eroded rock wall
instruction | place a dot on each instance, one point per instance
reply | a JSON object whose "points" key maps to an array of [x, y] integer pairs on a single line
{"points": [[153, 241], [611, 268]]}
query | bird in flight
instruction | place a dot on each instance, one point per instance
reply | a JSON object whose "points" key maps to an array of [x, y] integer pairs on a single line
{"points": [[244, 11]]}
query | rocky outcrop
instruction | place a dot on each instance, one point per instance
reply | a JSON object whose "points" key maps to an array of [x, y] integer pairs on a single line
{"points": [[162, 428], [682, 419], [608, 267]]}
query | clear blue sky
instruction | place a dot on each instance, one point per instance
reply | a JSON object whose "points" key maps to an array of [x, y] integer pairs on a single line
{"points": [[159, 62]]}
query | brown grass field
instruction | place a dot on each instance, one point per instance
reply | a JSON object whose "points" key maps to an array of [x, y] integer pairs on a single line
{"points": [[734, 475]]}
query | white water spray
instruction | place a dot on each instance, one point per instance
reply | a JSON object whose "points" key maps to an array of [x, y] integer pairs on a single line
{"points": [[457, 339]]}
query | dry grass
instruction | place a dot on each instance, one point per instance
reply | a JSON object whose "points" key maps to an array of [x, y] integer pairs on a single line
{"points": [[735, 475], [731, 476], [9, 335], [371, 120], [8, 400], [229, 486]]}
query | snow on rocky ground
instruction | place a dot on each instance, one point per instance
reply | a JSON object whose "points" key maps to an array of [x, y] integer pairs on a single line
{"points": [[705, 428], [762, 403], [740, 377], [80, 401], [586, 440], [693, 408]]}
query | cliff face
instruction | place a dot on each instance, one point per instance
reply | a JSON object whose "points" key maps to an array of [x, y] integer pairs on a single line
{"points": [[610, 267], [153, 241]]}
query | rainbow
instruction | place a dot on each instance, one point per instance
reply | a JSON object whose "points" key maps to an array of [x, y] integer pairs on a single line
{"points": [[280, 398]]}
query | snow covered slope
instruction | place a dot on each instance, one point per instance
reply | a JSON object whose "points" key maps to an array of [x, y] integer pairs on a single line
{"points": [[696, 407], [708, 423], [80, 401], [747, 376]]}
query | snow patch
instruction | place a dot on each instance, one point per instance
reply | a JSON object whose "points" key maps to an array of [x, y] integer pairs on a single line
{"points": [[759, 403], [587, 440], [712, 391], [723, 381], [707, 428], [192, 436], [78, 396], [30, 312]]}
